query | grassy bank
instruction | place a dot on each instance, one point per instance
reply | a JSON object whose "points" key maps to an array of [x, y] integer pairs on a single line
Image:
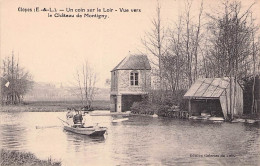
{"points": [[52, 106], [15, 158]]}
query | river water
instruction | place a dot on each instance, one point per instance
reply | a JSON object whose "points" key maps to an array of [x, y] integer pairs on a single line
{"points": [[138, 141]]}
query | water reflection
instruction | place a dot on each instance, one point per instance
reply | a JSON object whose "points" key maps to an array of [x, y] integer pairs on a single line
{"points": [[78, 142], [12, 131], [12, 136]]}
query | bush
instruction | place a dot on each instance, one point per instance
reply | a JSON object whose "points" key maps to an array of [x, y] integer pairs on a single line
{"points": [[160, 102], [149, 108], [22, 158], [142, 107]]}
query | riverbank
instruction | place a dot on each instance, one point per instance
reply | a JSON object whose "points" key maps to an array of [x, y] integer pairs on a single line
{"points": [[52, 106], [16, 158], [147, 109]]}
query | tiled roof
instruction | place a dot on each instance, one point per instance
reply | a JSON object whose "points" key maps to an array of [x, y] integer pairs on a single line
{"points": [[134, 62], [207, 88]]}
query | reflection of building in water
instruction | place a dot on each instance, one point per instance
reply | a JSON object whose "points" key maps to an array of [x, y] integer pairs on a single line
{"points": [[130, 79]]}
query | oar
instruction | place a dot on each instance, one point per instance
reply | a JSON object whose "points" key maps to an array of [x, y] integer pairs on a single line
{"points": [[63, 120], [119, 120], [43, 127]]}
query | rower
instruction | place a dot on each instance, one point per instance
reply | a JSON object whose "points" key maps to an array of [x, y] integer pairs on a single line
{"points": [[77, 119]]}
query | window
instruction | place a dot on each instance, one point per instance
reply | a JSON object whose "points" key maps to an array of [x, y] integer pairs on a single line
{"points": [[134, 78]]}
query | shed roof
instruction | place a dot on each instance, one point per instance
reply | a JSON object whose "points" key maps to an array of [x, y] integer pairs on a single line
{"points": [[134, 62], [207, 88]]}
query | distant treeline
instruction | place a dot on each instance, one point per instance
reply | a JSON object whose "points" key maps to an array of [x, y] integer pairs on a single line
{"points": [[47, 92]]}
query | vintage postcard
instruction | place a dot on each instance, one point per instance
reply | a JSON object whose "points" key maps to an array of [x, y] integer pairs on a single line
{"points": [[128, 82]]}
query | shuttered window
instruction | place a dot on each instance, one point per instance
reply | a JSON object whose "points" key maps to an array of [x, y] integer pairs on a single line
{"points": [[134, 78]]}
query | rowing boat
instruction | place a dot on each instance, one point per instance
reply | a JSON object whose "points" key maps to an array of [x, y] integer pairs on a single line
{"points": [[90, 130]]}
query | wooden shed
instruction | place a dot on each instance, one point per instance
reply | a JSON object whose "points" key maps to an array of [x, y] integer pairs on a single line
{"points": [[212, 96]]}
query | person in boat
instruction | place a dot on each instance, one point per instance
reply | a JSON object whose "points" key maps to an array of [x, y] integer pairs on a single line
{"points": [[69, 114], [77, 120]]}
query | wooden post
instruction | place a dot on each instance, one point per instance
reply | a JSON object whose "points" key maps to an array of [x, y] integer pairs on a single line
{"points": [[119, 103], [190, 107]]}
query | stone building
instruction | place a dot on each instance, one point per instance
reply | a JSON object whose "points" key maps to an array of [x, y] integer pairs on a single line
{"points": [[130, 79]]}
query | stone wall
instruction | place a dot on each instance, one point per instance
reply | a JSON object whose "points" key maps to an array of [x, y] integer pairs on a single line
{"points": [[124, 81], [114, 80], [113, 102]]}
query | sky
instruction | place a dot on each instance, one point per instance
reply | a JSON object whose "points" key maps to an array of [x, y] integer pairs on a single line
{"points": [[53, 48]]}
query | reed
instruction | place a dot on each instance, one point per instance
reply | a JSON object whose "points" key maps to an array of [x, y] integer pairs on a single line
{"points": [[16, 158]]}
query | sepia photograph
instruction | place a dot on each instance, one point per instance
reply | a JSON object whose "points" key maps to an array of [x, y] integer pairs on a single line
{"points": [[130, 82]]}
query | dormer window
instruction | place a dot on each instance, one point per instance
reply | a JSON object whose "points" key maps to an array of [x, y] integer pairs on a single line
{"points": [[134, 78]]}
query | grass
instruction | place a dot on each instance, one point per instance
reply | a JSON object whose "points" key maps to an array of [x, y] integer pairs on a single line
{"points": [[52, 106], [15, 158]]}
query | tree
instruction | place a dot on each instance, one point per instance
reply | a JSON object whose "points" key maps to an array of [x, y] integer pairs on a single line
{"points": [[191, 39], [15, 82], [196, 43], [181, 60], [154, 43], [232, 39], [85, 81], [188, 42], [173, 61]]}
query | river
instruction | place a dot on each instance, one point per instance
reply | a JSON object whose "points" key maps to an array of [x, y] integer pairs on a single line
{"points": [[138, 141]]}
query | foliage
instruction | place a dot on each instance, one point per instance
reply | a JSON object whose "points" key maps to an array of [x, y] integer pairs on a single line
{"points": [[225, 44], [166, 97], [174, 52], [16, 158], [148, 108], [15, 82], [154, 104], [232, 37], [247, 84], [173, 71]]}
